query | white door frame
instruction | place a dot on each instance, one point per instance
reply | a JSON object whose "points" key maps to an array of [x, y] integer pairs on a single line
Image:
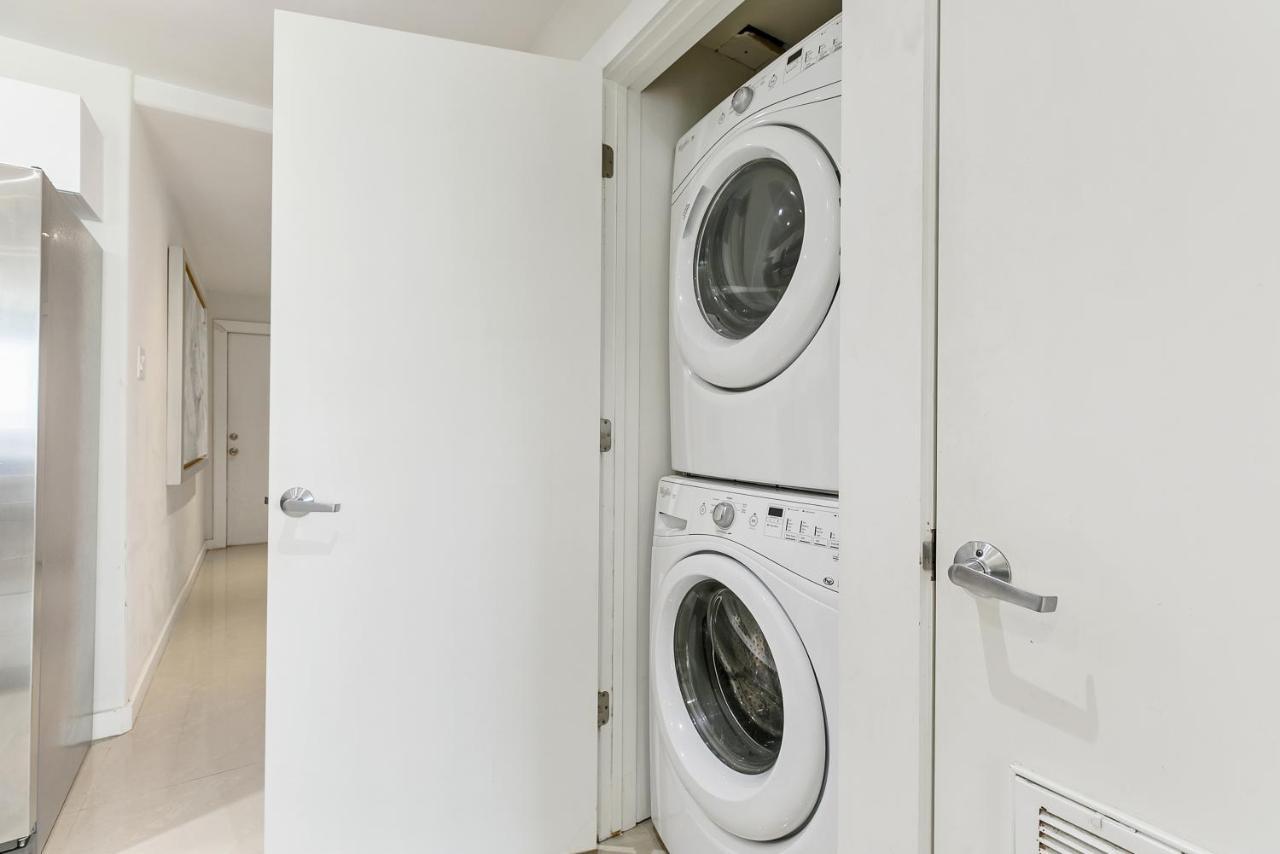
{"points": [[889, 187], [221, 329], [642, 43], [888, 325]]}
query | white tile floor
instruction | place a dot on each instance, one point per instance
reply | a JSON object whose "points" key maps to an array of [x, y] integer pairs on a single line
{"points": [[641, 839], [187, 779]]}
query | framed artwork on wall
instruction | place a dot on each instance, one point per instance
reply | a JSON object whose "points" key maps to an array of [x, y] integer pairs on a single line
{"points": [[188, 371]]}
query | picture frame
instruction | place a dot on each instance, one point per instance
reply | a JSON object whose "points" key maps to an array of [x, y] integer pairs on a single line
{"points": [[188, 438]]}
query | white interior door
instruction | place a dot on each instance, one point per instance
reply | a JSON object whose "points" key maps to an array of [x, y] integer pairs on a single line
{"points": [[1109, 360], [432, 647], [248, 373]]}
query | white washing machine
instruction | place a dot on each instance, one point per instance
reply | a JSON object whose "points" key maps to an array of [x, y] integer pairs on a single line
{"points": [[755, 269], [743, 669]]}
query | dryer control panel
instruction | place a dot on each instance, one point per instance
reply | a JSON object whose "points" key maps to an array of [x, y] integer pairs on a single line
{"points": [[804, 67], [796, 530]]}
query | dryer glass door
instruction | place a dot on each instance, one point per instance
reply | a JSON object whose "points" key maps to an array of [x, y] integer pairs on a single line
{"points": [[749, 246], [757, 256], [728, 678]]}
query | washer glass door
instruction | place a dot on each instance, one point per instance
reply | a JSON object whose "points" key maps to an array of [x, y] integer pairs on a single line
{"points": [[728, 678], [730, 670]]}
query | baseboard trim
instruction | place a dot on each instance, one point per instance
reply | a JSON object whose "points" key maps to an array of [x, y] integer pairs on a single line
{"points": [[149, 669], [118, 721], [109, 722]]}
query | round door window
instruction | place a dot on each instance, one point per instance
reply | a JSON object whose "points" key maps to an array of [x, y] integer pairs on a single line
{"points": [[748, 247], [728, 678]]}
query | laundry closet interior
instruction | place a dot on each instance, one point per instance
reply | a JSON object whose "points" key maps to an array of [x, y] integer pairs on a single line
{"points": [[685, 162]]}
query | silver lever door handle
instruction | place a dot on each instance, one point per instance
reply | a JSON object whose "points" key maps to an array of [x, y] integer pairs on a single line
{"points": [[983, 570], [297, 501]]}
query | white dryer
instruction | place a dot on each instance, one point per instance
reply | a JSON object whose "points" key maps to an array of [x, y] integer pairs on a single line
{"points": [[742, 669], [755, 270]]}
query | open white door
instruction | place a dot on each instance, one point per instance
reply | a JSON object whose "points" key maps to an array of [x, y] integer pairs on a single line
{"points": [[1109, 418], [435, 358]]}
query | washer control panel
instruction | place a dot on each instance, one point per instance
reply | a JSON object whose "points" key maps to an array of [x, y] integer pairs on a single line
{"points": [[802, 525], [798, 531]]}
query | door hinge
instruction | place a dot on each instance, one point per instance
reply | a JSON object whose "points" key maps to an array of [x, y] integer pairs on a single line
{"points": [[929, 552], [602, 708], [606, 435], [606, 160]]}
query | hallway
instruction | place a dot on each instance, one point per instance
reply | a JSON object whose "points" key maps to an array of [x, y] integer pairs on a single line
{"points": [[188, 776]]}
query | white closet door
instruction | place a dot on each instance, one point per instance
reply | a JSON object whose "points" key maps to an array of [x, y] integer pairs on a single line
{"points": [[1109, 416], [432, 647]]}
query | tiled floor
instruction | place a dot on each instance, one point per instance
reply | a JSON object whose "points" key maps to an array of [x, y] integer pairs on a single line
{"points": [[188, 778], [641, 839]]}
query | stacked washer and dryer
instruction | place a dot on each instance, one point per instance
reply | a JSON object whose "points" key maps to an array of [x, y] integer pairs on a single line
{"points": [[746, 541]]}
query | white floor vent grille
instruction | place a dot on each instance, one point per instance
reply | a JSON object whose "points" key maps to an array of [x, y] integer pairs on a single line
{"points": [[1049, 822], [1059, 836]]}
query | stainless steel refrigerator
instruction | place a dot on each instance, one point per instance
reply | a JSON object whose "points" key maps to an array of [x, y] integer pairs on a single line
{"points": [[50, 309]]}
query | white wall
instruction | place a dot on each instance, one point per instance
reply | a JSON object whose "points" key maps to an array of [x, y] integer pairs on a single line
{"points": [[165, 526], [147, 535], [107, 90], [575, 27], [237, 306]]}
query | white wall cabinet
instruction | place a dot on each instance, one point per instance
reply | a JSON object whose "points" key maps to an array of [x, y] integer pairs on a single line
{"points": [[53, 131]]}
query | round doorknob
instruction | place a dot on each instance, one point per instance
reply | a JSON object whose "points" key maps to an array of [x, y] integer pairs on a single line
{"points": [[234, 436], [722, 515], [232, 451]]}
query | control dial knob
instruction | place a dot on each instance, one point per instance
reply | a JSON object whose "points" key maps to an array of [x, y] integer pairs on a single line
{"points": [[742, 99], [722, 515]]}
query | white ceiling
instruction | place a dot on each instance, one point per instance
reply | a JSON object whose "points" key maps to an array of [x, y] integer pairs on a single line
{"points": [[224, 46], [219, 178]]}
